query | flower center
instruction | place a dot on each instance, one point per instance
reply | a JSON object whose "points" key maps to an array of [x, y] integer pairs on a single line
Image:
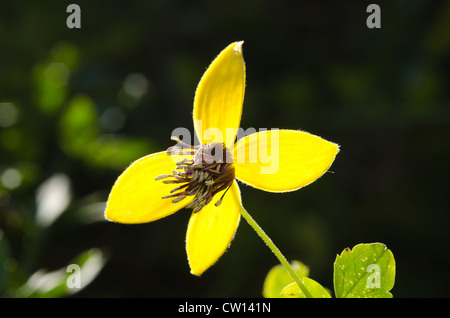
{"points": [[210, 171]]}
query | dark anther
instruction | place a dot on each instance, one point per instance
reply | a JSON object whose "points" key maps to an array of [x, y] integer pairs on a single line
{"points": [[208, 172]]}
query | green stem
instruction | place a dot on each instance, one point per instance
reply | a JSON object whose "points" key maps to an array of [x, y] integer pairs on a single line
{"points": [[276, 251]]}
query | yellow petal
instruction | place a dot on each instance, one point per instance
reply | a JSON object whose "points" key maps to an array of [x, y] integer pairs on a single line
{"points": [[137, 198], [211, 230], [219, 97], [282, 160]]}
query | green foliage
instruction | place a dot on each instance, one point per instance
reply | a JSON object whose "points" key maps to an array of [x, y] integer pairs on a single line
{"points": [[278, 278], [315, 289], [57, 283], [79, 136], [366, 271], [382, 94], [29, 278], [78, 125], [356, 272]]}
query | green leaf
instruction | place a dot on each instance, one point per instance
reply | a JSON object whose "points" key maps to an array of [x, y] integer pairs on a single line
{"points": [[368, 270], [64, 281], [80, 136], [50, 89], [115, 151], [278, 278], [78, 125], [315, 289]]}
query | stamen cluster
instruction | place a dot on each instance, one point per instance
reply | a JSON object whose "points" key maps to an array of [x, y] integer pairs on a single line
{"points": [[209, 171]]}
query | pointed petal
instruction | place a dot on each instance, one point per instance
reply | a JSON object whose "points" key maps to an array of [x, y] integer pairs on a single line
{"points": [[211, 230], [282, 160], [137, 198], [219, 97]]}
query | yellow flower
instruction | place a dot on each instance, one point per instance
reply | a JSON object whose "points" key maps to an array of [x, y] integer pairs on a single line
{"points": [[271, 160]]}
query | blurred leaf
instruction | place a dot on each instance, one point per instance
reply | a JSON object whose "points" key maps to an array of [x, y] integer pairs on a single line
{"points": [[368, 270], [67, 53], [91, 263], [10, 178], [91, 212], [58, 283], [50, 87], [315, 289], [116, 152], [50, 78], [278, 278], [78, 125], [20, 142], [9, 114], [44, 284], [52, 198]]}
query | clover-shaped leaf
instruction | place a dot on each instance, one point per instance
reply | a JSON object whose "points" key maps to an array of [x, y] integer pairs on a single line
{"points": [[368, 270]]}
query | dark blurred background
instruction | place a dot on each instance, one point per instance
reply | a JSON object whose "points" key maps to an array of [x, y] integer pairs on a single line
{"points": [[77, 106]]}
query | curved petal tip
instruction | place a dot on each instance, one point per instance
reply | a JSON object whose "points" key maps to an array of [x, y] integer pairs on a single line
{"points": [[238, 47]]}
